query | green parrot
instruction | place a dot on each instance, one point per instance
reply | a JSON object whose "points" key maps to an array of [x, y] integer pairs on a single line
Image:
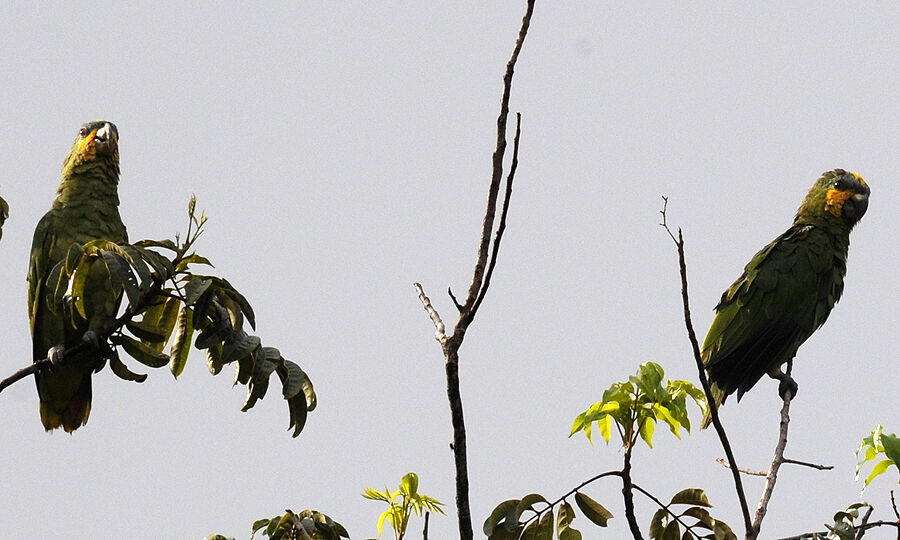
{"points": [[85, 209], [786, 291]]}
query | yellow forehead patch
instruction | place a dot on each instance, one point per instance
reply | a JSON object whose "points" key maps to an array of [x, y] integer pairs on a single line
{"points": [[834, 201], [860, 178]]}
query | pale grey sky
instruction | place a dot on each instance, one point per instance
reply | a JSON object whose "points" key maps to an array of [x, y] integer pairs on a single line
{"points": [[342, 151]]}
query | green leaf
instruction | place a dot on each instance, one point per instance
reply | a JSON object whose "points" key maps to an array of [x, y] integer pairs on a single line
{"points": [[891, 445], [704, 519], [214, 358], [141, 352], [409, 484], [564, 518], [647, 427], [592, 510], [656, 524], [194, 288], [140, 266], [528, 502], [146, 333], [122, 277], [257, 525], [693, 496], [497, 515], [167, 244], [672, 532], [122, 371], [879, 468], [544, 529], [193, 258], [239, 348], [181, 342]]}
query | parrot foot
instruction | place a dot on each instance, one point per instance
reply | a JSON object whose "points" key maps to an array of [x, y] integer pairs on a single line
{"points": [[55, 354], [786, 386], [92, 338]]}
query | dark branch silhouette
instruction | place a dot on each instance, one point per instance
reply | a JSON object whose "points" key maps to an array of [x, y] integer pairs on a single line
{"points": [[704, 381], [478, 287]]}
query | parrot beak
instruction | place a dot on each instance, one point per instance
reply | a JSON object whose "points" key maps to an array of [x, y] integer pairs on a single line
{"points": [[857, 207], [105, 140]]}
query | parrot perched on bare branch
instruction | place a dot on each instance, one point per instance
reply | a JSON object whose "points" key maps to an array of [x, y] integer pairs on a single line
{"points": [[85, 209], [786, 291]]}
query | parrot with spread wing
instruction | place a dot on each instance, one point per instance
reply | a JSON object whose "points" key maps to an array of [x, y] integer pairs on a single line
{"points": [[786, 291], [85, 209]]}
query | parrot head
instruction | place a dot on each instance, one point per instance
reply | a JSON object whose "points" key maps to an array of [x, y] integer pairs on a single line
{"points": [[839, 198], [97, 143]]}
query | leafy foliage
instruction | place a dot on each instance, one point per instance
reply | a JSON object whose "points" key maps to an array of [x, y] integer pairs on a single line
{"points": [[304, 525], [401, 503], [637, 404], [874, 445], [168, 303], [4, 213], [667, 524], [531, 517]]}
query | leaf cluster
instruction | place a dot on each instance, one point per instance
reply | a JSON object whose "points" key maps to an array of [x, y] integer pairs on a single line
{"points": [[304, 525], [168, 303], [531, 518], [401, 503], [634, 406], [878, 444], [4, 213], [667, 525]]}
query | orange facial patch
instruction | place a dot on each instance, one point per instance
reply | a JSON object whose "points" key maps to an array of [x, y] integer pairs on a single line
{"points": [[834, 201]]}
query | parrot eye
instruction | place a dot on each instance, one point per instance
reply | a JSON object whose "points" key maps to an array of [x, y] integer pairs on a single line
{"points": [[82, 132], [840, 184]]}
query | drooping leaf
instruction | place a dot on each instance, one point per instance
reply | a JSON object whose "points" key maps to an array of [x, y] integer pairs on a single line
{"points": [[672, 531], [122, 371], [146, 333], [693, 496], [181, 342], [141, 352], [891, 445], [592, 510], [498, 515], [239, 348]]}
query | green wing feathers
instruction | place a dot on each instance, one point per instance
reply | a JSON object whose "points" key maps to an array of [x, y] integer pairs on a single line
{"points": [[785, 293]]}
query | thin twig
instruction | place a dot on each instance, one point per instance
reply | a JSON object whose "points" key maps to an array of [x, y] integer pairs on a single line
{"points": [[750, 472], [711, 402], [861, 530], [505, 209], [497, 167], [425, 529], [807, 464], [777, 460], [439, 333], [894, 506]]}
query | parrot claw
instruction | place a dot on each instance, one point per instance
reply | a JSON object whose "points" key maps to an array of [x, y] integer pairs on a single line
{"points": [[91, 337], [787, 386], [55, 354]]}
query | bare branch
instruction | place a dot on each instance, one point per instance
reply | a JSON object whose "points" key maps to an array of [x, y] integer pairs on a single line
{"points": [[750, 472], [777, 460], [477, 288], [497, 174], [695, 346], [807, 464], [439, 333]]}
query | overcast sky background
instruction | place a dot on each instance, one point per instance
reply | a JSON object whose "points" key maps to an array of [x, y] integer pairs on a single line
{"points": [[342, 151]]}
